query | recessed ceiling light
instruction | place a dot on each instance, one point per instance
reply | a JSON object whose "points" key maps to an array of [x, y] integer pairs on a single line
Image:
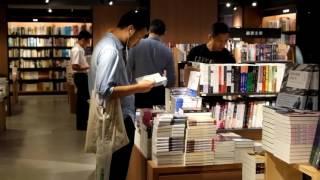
{"points": [[235, 8], [47, 1], [286, 10], [35, 20], [228, 4], [49, 10], [254, 4], [110, 3]]}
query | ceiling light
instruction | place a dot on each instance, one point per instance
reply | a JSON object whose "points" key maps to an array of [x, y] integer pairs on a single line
{"points": [[228, 4], [235, 8], [35, 20], [110, 3], [286, 10], [254, 4], [47, 1], [49, 10], [136, 11]]}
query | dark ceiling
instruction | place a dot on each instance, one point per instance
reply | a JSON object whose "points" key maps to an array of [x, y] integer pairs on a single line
{"points": [[61, 3]]}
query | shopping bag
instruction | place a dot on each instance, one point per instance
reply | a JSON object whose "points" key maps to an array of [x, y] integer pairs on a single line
{"points": [[91, 134], [111, 136]]}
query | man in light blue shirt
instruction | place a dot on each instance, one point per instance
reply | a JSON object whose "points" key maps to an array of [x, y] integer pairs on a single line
{"points": [[108, 76], [148, 57]]}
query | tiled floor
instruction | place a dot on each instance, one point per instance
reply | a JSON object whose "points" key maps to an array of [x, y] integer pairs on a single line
{"points": [[41, 143]]}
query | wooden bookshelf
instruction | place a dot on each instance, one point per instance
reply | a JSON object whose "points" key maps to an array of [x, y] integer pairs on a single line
{"points": [[42, 92], [49, 37]]}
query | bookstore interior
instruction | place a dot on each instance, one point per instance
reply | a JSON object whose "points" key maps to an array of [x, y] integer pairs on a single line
{"points": [[254, 118]]}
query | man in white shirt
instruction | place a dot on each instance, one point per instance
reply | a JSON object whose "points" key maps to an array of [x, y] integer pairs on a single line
{"points": [[80, 69]]}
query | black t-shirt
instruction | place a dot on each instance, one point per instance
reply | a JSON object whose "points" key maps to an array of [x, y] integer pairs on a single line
{"points": [[202, 54]]}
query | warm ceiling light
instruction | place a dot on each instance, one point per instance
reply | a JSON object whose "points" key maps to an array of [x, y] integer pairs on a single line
{"points": [[110, 3], [254, 4], [286, 10], [47, 1], [35, 20], [49, 10], [228, 4], [235, 8]]}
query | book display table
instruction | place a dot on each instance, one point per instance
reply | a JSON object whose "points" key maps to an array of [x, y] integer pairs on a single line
{"points": [[143, 169], [279, 170]]}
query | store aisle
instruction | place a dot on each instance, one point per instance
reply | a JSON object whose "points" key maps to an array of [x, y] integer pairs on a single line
{"points": [[41, 143]]}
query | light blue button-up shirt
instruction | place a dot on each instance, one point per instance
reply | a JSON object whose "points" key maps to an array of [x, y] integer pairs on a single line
{"points": [[108, 70]]}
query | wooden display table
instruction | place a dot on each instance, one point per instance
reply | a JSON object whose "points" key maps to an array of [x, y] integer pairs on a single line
{"points": [[3, 114], [216, 172], [142, 169], [279, 170]]}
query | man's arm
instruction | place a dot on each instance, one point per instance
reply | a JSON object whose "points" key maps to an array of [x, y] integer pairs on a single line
{"points": [[121, 91], [106, 77]]}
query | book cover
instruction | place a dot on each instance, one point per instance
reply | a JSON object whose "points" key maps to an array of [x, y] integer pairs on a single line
{"points": [[295, 86]]}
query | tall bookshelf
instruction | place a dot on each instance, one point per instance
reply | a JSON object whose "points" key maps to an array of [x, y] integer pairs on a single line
{"points": [[41, 51], [264, 36]]}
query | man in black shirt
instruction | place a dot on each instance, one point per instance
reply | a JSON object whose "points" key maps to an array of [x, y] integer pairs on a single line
{"points": [[214, 50]]}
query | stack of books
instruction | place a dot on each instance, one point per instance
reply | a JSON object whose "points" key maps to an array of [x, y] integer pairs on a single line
{"points": [[242, 145], [168, 136], [293, 134], [253, 166], [268, 126], [200, 144], [224, 149]]}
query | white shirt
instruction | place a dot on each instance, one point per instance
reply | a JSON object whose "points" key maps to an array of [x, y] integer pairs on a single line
{"points": [[78, 57]]}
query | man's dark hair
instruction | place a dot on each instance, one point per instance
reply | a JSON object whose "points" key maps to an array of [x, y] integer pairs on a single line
{"points": [[84, 35], [219, 28], [139, 18], [158, 27]]}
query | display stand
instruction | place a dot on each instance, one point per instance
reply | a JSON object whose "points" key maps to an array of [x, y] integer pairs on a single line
{"points": [[279, 170]]}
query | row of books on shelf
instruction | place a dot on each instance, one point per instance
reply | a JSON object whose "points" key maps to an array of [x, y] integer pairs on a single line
{"points": [[43, 87], [240, 78], [38, 64], [48, 29], [239, 115], [285, 23], [41, 42], [42, 75], [34, 53], [292, 136], [261, 52], [27, 53], [258, 52]]}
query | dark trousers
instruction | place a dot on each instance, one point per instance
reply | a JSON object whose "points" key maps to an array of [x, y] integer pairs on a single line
{"points": [[121, 158], [82, 108]]}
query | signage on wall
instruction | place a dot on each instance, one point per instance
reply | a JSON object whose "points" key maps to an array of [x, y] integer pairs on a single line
{"points": [[255, 33]]}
